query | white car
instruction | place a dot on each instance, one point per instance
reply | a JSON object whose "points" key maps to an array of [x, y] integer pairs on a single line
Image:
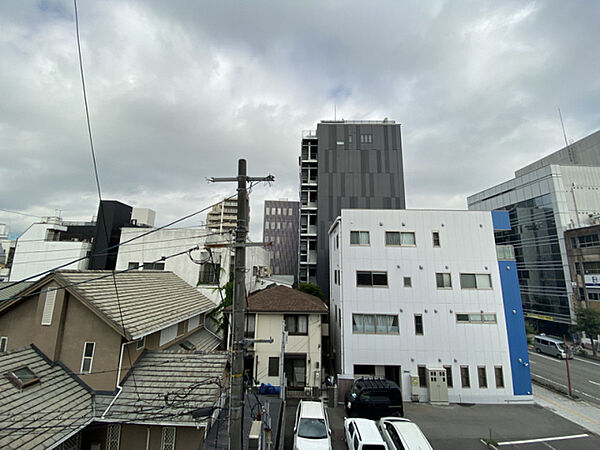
{"points": [[363, 434], [311, 429], [402, 434]]}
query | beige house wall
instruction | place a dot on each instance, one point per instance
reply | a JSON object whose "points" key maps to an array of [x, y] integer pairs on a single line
{"points": [[269, 326], [136, 436]]}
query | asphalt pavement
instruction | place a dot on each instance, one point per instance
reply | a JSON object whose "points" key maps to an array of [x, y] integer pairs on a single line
{"points": [[585, 375], [527, 427]]}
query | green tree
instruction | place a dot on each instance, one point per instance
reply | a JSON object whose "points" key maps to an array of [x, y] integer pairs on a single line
{"points": [[588, 321], [227, 300], [312, 289]]}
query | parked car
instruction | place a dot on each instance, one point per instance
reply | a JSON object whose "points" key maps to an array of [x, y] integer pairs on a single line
{"points": [[373, 398], [311, 429], [402, 434], [363, 434], [551, 346]]}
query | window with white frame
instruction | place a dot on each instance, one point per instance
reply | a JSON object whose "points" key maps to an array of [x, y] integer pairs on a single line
{"points": [[366, 138], [3, 343], [476, 318], [249, 325], [400, 238], [375, 324], [140, 343], [359, 238], [88, 357], [296, 324], [168, 438], [443, 280], [371, 278], [475, 281]]}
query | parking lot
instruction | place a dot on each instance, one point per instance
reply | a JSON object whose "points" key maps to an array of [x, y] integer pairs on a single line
{"points": [[463, 427]]}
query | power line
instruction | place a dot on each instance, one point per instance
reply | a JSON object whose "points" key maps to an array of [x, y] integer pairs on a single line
{"points": [[20, 213]]}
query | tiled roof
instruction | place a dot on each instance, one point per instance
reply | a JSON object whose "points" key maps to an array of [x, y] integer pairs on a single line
{"points": [[165, 386], [284, 299], [10, 289], [202, 340], [149, 299], [42, 414]]}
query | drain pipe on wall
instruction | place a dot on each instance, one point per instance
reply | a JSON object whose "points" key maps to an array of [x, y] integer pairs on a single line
{"points": [[120, 389]]}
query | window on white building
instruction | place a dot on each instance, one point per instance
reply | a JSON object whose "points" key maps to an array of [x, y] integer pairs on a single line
{"points": [[249, 326], [422, 371], [419, 324], [475, 281], [436, 238], [482, 376], [443, 280], [407, 282], [400, 238], [476, 318], [449, 376], [465, 379], [370, 278], [359, 238], [499, 377], [375, 324]]}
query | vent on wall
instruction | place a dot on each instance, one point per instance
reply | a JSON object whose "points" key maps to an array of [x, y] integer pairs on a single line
{"points": [[49, 307]]}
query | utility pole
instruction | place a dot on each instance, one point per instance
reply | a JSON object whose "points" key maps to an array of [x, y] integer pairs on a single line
{"points": [[281, 363], [236, 417]]}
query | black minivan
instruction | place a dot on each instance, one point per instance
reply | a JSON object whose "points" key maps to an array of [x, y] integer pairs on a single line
{"points": [[374, 398]]}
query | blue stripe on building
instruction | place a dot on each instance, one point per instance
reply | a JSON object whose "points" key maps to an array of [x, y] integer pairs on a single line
{"points": [[515, 328], [501, 220]]}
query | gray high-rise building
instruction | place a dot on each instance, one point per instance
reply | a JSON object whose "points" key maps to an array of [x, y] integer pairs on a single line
{"points": [[344, 164], [280, 227]]}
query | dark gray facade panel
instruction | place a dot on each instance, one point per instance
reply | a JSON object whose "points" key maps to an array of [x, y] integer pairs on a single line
{"points": [[282, 229], [375, 179]]}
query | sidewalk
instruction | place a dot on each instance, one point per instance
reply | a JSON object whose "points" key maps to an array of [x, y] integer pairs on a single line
{"points": [[579, 412]]}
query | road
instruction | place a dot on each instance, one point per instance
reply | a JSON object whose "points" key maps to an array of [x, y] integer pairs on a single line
{"points": [[585, 375]]}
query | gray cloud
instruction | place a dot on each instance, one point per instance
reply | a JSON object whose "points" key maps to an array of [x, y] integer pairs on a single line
{"points": [[178, 91]]}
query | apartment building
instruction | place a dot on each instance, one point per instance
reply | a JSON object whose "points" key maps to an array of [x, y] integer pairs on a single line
{"points": [[280, 226], [426, 298], [223, 216], [583, 254], [344, 164]]}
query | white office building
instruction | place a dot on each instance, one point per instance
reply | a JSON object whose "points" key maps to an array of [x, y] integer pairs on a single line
{"points": [[49, 244], [425, 298]]}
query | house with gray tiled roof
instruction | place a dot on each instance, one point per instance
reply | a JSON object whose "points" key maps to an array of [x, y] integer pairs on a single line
{"points": [[95, 322], [113, 334], [41, 405]]}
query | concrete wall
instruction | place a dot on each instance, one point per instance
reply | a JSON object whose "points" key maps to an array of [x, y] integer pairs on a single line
{"points": [[269, 326], [33, 254], [467, 246]]}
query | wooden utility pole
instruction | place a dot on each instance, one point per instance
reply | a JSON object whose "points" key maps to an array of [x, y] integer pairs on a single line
{"points": [[236, 417]]}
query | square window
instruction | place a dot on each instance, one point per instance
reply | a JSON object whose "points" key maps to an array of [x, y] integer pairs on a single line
{"points": [[296, 324], [359, 238], [443, 281], [484, 281], [407, 282], [468, 281]]}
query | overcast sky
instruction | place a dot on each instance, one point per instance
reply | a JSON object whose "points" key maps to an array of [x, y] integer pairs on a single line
{"points": [[179, 90]]}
